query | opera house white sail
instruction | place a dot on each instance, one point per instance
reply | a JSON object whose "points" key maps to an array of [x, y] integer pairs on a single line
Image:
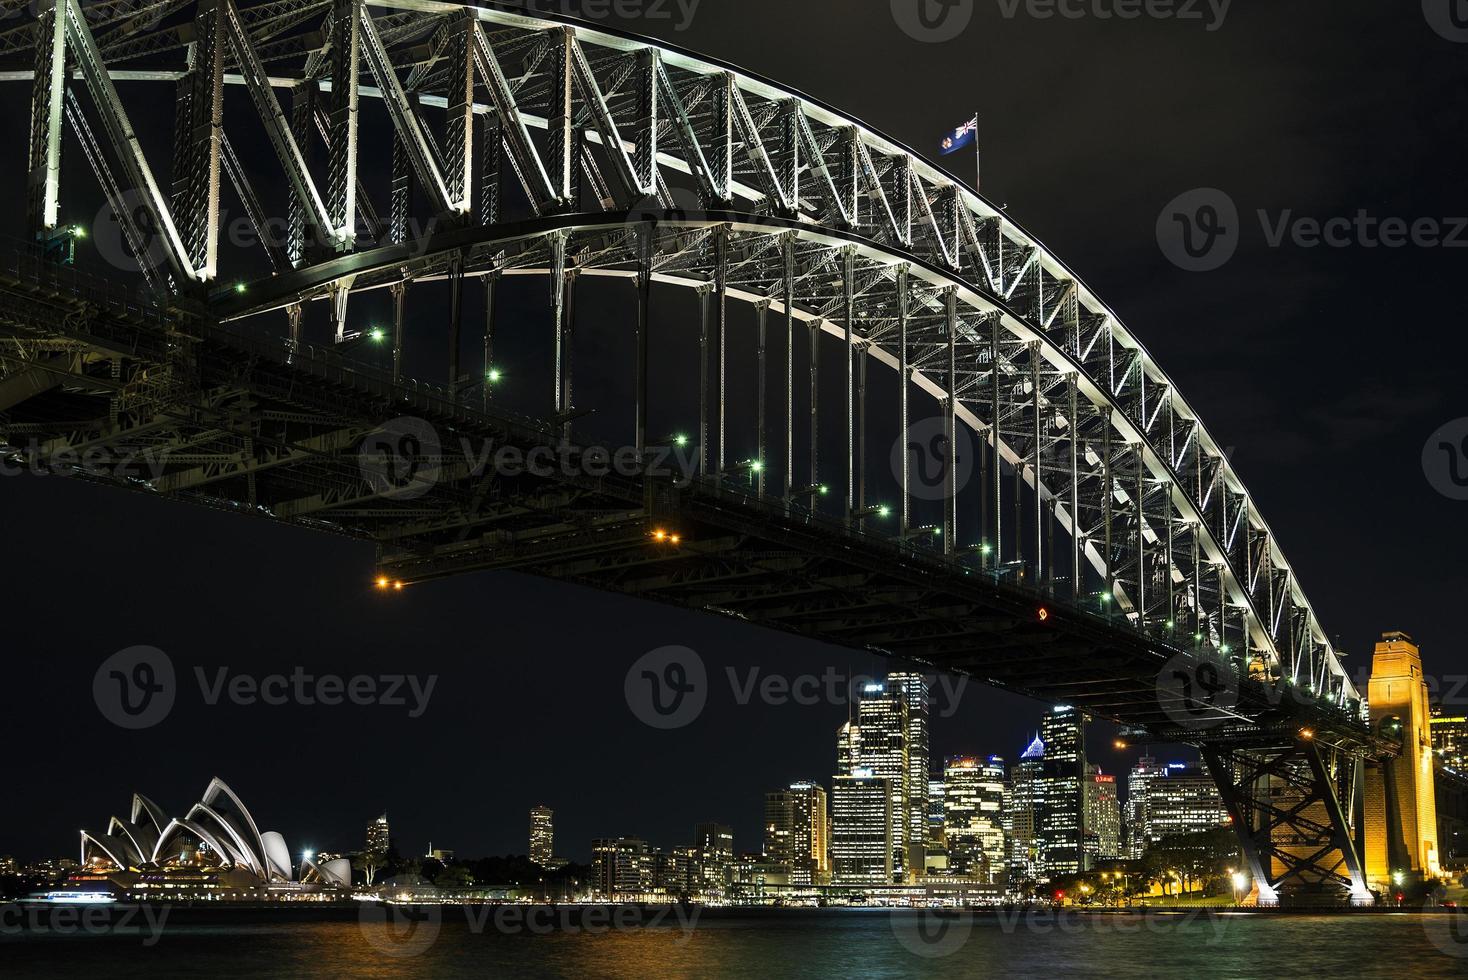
{"points": [[217, 832]]}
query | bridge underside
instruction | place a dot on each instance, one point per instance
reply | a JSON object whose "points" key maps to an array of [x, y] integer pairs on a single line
{"points": [[179, 408]]}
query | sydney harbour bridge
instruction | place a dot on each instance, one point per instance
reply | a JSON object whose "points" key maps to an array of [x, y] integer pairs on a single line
{"points": [[1100, 550]]}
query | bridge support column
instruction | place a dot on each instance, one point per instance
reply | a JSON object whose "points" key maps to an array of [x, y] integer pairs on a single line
{"points": [[491, 288], [904, 378], [1401, 798], [1291, 802], [399, 291], [762, 313], [644, 305]]}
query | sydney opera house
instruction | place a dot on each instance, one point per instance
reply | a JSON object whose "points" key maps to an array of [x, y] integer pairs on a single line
{"points": [[215, 849]]}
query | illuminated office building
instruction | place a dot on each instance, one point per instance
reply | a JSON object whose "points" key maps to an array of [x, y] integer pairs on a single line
{"points": [[1060, 806], [622, 866], [1103, 817], [378, 838], [913, 689], [797, 832], [714, 844], [882, 716], [542, 835], [973, 803], [1449, 739], [1182, 799], [1021, 810], [862, 827], [1138, 783]]}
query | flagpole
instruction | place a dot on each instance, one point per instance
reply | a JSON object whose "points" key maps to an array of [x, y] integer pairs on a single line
{"points": [[978, 157]]}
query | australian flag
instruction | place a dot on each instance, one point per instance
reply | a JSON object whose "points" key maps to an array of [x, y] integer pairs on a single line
{"points": [[962, 136]]}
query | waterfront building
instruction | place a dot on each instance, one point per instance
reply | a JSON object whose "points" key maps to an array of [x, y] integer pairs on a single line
{"points": [[973, 805], [622, 866], [1103, 817], [542, 835], [714, 844], [913, 689], [1449, 739], [862, 829], [439, 854], [1060, 804], [676, 871], [882, 716], [1020, 814], [797, 832], [1182, 799], [1138, 784], [378, 838], [216, 835]]}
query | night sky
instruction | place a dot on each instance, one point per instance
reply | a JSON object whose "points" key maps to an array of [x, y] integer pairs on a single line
{"points": [[1326, 369]]}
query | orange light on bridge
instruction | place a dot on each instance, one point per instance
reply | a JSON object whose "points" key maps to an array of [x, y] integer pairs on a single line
{"points": [[397, 585], [1306, 733], [382, 581], [1044, 614], [674, 539], [659, 535]]}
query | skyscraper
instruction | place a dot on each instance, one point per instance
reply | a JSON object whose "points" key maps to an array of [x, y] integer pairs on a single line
{"points": [[883, 719], [861, 830], [913, 689], [542, 835], [378, 838], [797, 832], [848, 748], [1061, 823], [1449, 739], [973, 801], [1138, 783], [1021, 812], [1103, 817]]}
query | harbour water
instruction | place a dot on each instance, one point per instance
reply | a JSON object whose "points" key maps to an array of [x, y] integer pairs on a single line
{"points": [[455, 942]]}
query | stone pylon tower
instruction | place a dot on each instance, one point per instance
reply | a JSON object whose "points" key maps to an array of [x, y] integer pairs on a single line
{"points": [[1401, 806]]}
